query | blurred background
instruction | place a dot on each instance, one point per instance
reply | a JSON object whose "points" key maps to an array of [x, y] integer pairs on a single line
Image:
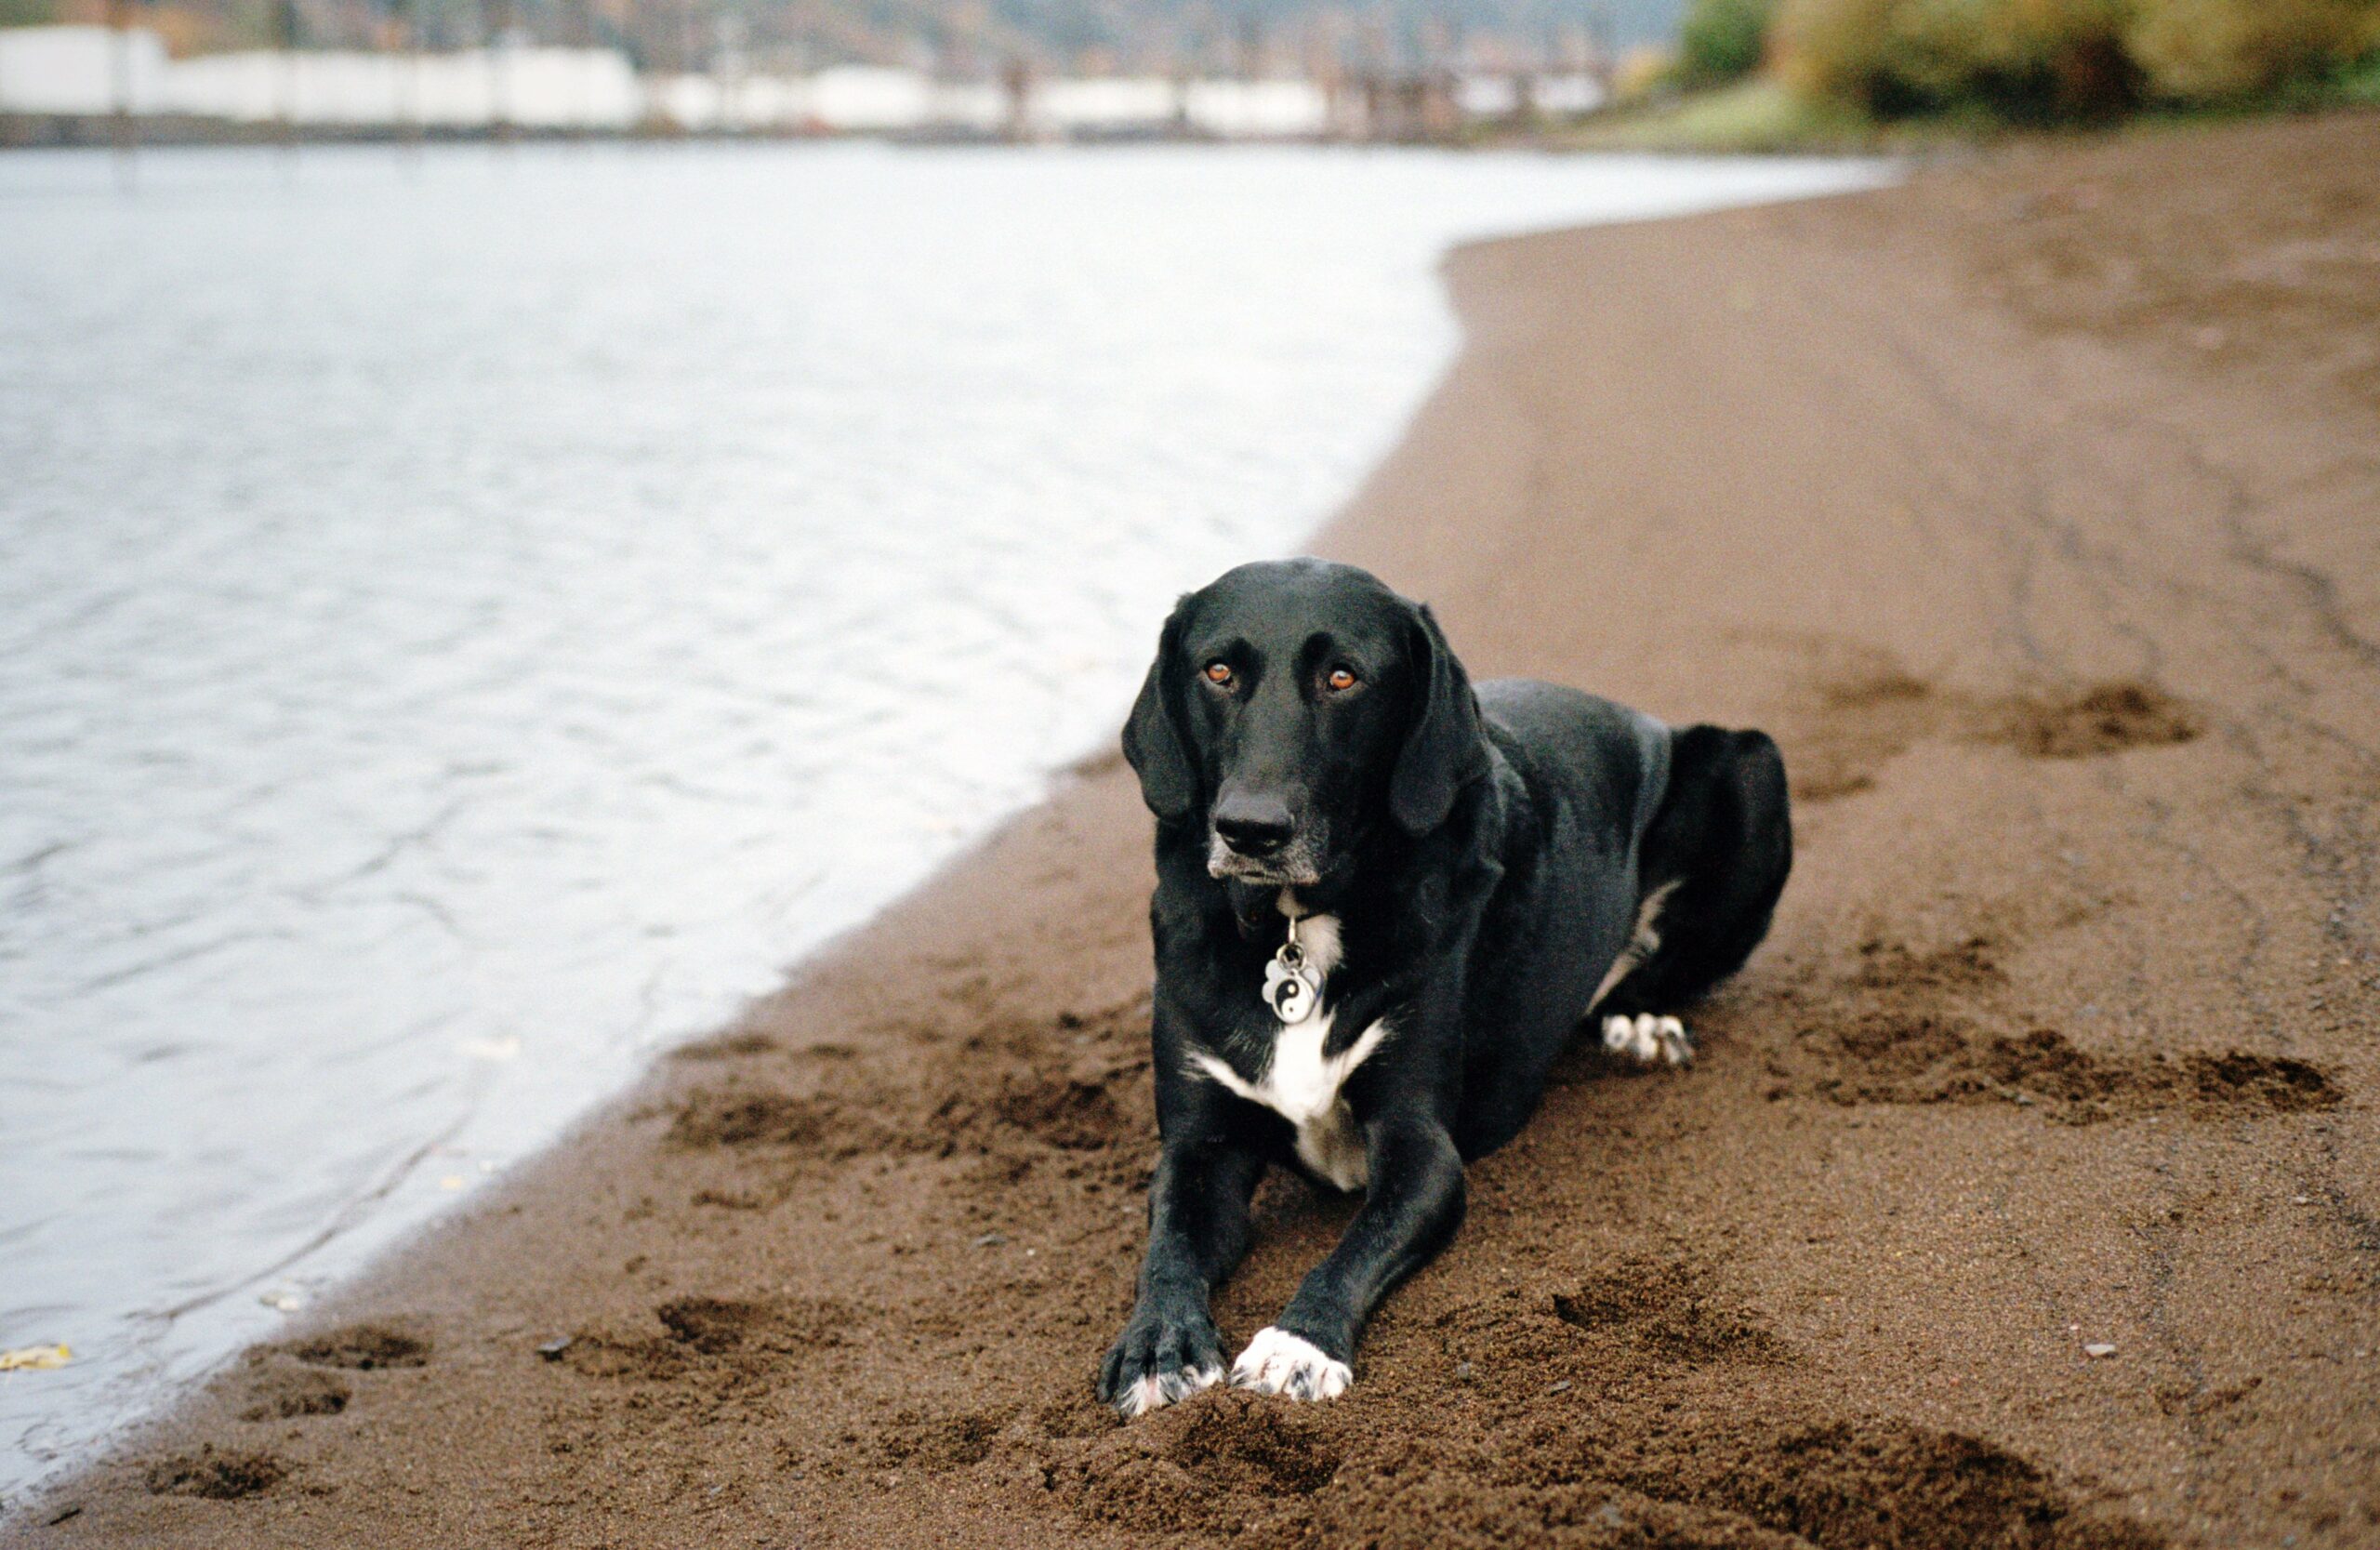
{"points": [[1714, 74]]}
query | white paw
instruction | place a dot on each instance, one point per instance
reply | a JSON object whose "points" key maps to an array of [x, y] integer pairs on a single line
{"points": [[1160, 1389], [1279, 1362], [1646, 1038]]}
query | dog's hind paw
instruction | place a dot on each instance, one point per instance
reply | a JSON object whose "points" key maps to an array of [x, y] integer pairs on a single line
{"points": [[1648, 1040], [1279, 1362]]}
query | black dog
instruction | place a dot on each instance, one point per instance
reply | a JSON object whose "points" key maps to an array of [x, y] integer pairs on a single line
{"points": [[1384, 903]]}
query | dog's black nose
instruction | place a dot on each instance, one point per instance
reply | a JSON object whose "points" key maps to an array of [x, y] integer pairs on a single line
{"points": [[1254, 826]]}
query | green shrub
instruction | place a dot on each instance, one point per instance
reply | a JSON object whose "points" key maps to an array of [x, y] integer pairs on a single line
{"points": [[1834, 49], [2359, 82], [1723, 40], [2214, 50], [2056, 60], [2022, 58]]}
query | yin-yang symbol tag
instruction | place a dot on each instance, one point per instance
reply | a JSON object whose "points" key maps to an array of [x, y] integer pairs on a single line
{"points": [[1292, 989]]}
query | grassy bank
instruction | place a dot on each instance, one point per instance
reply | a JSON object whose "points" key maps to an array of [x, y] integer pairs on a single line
{"points": [[1762, 116], [1754, 75], [1757, 115]]}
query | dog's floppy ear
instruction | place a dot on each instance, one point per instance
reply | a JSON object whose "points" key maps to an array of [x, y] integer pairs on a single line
{"points": [[1153, 735], [1446, 748]]}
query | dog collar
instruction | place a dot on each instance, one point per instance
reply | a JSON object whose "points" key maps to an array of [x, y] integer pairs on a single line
{"points": [[1292, 988]]}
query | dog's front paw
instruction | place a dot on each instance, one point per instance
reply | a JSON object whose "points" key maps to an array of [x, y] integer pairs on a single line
{"points": [[1279, 1362], [1648, 1040], [1161, 1356]]}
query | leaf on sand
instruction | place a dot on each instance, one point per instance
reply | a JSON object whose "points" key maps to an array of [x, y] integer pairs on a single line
{"points": [[34, 1358]]}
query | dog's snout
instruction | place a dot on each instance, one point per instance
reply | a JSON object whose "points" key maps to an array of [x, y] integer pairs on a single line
{"points": [[1254, 826]]}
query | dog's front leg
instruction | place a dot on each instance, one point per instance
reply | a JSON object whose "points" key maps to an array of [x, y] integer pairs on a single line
{"points": [[1197, 1232], [1413, 1207]]}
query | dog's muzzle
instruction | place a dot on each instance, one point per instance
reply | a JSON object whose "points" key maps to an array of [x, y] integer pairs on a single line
{"points": [[1298, 863]]}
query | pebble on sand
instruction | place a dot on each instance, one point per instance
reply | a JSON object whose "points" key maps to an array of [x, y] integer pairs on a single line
{"points": [[2099, 1349]]}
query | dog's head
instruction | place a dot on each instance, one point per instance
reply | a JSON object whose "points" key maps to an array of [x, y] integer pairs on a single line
{"points": [[1293, 705]]}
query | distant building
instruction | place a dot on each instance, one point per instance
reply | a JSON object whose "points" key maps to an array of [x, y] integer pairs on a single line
{"points": [[91, 71], [68, 71]]}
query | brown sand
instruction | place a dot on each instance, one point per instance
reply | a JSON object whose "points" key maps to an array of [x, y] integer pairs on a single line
{"points": [[2033, 506]]}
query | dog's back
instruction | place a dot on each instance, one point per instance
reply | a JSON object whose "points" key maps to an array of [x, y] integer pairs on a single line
{"points": [[1608, 763], [1641, 863]]}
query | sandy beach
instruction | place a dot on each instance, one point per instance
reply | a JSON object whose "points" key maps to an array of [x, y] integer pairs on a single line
{"points": [[2031, 506]]}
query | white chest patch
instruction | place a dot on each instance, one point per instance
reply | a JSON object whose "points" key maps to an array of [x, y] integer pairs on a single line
{"points": [[1300, 1083]]}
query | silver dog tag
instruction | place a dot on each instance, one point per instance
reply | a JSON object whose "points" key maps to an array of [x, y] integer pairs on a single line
{"points": [[1291, 990]]}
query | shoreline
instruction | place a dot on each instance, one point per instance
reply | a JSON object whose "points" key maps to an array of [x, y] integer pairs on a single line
{"points": [[534, 983], [2060, 614]]}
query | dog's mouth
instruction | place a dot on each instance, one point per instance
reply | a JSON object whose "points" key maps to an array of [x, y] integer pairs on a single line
{"points": [[1297, 865]]}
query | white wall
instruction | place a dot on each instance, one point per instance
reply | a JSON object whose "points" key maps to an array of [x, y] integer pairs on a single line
{"points": [[1500, 96], [1568, 94], [1257, 109], [1140, 102], [982, 107], [533, 87], [76, 70], [855, 97]]}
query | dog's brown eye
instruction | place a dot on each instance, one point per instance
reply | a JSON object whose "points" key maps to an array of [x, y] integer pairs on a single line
{"points": [[1341, 677], [1219, 672]]}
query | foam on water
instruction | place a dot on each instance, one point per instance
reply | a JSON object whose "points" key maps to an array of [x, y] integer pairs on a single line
{"points": [[467, 621]]}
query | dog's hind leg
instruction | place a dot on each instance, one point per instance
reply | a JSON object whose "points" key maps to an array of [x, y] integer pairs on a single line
{"points": [[1713, 863], [1643, 1037], [1648, 1040]]}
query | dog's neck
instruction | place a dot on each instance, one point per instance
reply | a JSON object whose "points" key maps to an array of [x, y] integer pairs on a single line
{"points": [[1264, 910], [1254, 906]]}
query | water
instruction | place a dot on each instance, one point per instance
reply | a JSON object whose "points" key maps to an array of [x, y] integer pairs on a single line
{"points": [[471, 620]]}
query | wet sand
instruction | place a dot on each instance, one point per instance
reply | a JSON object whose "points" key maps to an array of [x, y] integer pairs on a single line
{"points": [[2033, 507]]}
